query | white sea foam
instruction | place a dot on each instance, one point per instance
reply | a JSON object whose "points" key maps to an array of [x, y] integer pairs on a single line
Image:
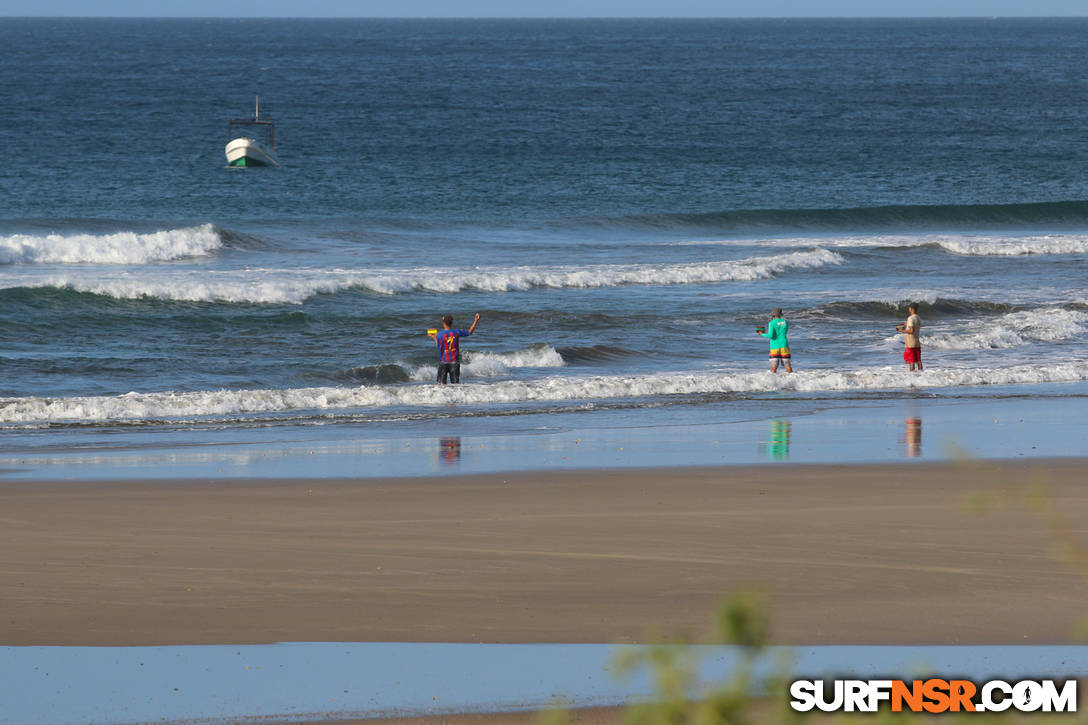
{"points": [[257, 285], [787, 242], [973, 245], [481, 364], [262, 285], [1017, 246], [197, 405], [117, 248], [1014, 329], [510, 279], [610, 275]]}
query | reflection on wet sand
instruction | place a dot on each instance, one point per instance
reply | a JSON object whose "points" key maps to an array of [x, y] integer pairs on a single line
{"points": [[777, 445], [449, 450], [913, 439]]}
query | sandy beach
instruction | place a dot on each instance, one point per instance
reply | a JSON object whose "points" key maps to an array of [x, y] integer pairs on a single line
{"points": [[894, 554]]}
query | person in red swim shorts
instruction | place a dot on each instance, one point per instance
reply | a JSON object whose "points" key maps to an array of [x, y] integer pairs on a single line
{"points": [[912, 350]]}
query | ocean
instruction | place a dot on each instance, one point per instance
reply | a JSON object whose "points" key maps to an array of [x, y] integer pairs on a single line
{"points": [[622, 201]]}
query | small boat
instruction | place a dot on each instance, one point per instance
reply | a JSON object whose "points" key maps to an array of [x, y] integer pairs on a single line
{"points": [[247, 151]]}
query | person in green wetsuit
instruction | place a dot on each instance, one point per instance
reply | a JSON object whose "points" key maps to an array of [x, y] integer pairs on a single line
{"points": [[776, 333]]}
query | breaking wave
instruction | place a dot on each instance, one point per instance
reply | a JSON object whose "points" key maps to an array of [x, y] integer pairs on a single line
{"points": [[884, 309], [481, 364], [1014, 330], [1015, 247], [116, 248], [258, 285], [484, 364], [967, 245], [198, 406]]}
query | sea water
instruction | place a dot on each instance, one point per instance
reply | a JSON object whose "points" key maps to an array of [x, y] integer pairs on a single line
{"points": [[336, 681], [622, 201]]}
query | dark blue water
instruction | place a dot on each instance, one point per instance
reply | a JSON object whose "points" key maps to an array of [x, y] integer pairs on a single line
{"points": [[524, 121], [623, 201]]}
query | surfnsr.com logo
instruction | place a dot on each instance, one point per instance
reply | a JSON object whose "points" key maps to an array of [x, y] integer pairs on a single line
{"points": [[933, 695]]}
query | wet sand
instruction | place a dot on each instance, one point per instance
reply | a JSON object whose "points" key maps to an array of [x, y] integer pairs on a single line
{"points": [[846, 554]]}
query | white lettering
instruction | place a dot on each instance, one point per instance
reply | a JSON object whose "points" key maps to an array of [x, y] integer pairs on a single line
{"points": [[993, 696], [835, 703], [803, 693], [855, 696], [1064, 701], [879, 690], [992, 705], [1027, 696]]}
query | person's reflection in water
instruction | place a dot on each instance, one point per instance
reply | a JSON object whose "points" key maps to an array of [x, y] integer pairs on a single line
{"points": [[914, 437], [777, 447], [450, 450]]}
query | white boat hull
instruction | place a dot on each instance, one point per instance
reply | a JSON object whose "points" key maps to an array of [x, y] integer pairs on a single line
{"points": [[247, 152]]}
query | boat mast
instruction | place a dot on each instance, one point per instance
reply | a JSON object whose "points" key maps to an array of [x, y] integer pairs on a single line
{"points": [[257, 109]]}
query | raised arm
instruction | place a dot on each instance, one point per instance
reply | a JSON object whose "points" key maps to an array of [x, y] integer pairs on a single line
{"points": [[473, 328]]}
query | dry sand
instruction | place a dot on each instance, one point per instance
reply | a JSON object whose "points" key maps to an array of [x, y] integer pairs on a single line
{"points": [[846, 555]]}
